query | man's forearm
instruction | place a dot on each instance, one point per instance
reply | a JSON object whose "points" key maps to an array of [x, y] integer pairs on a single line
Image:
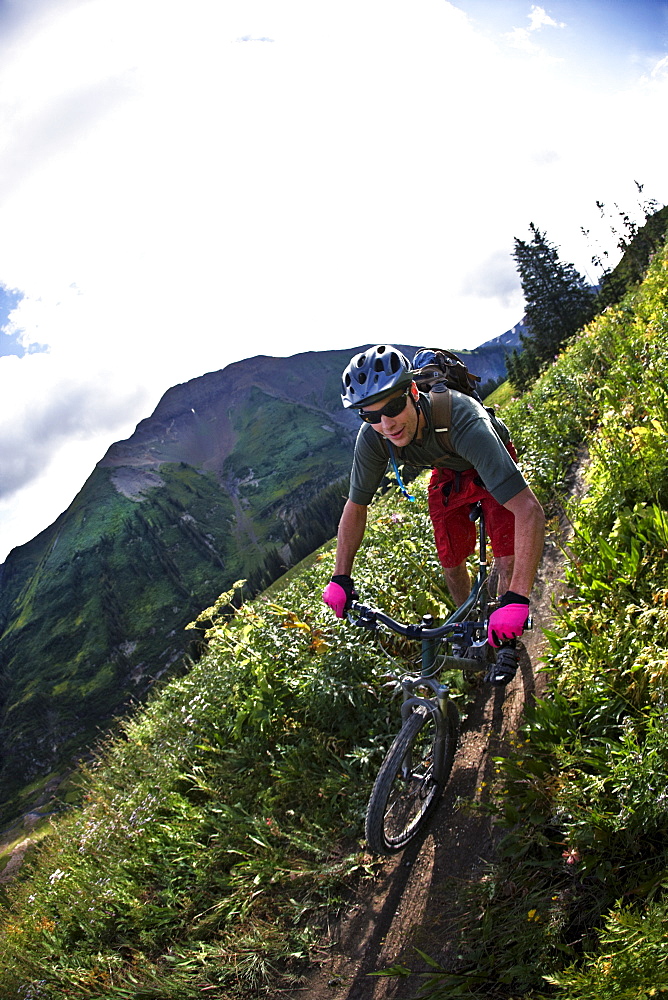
{"points": [[529, 540], [349, 537]]}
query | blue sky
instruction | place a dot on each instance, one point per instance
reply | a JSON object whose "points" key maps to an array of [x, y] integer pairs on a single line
{"points": [[184, 185], [9, 343], [610, 33]]}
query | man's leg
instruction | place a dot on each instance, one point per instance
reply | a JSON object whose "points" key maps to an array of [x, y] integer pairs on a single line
{"points": [[454, 534], [459, 582]]}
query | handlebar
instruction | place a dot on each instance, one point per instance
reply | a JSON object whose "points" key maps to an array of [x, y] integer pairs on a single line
{"points": [[368, 617]]}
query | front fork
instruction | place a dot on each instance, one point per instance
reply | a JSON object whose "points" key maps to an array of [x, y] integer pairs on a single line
{"points": [[410, 684]]}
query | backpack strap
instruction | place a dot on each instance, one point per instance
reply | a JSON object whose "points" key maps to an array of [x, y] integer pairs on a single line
{"points": [[441, 413]]}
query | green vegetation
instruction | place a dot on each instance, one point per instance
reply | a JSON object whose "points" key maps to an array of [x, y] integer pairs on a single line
{"points": [[288, 474], [237, 475], [558, 303], [92, 610], [222, 823], [638, 245], [576, 907]]}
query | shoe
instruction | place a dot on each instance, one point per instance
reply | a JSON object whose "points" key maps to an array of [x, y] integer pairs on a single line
{"points": [[502, 672]]}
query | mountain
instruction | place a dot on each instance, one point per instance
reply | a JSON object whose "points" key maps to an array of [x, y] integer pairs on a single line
{"points": [[508, 340], [238, 474]]}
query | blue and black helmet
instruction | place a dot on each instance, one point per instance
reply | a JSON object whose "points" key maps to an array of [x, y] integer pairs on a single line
{"points": [[373, 374]]}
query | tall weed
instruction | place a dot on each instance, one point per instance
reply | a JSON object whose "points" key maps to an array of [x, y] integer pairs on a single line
{"points": [[577, 899], [224, 821]]}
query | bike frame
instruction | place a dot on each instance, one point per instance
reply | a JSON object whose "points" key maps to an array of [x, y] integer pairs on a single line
{"points": [[430, 637]]}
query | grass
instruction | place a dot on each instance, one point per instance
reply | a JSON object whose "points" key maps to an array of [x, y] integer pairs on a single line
{"points": [[224, 821], [222, 824], [582, 794]]}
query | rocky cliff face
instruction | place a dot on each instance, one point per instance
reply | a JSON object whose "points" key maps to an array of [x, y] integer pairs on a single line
{"points": [[237, 474]]}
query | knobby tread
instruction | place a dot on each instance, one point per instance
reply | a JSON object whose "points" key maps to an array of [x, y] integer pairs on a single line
{"points": [[418, 801]]}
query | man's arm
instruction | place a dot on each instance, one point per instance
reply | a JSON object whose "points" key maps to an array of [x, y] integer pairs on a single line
{"points": [[349, 537], [529, 539], [340, 591]]}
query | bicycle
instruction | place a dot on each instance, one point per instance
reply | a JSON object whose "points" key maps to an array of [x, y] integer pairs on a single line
{"points": [[417, 766]]}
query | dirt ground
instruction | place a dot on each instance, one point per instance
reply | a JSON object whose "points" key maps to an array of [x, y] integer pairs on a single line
{"points": [[412, 901]]}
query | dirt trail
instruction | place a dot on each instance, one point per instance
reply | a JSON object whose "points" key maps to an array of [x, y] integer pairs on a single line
{"points": [[413, 900]]}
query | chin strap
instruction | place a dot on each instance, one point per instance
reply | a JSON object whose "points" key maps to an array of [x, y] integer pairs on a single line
{"points": [[417, 403]]}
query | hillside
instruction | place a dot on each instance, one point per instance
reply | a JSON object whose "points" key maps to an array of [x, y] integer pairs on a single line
{"points": [[237, 474], [220, 830]]}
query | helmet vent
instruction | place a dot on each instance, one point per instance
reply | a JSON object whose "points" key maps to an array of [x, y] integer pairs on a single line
{"points": [[375, 373]]}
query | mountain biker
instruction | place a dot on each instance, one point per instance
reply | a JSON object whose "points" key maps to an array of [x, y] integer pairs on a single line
{"points": [[379, 384]]}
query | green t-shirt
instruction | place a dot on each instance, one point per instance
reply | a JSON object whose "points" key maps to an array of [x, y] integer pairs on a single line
{"points": [[478, 439]]}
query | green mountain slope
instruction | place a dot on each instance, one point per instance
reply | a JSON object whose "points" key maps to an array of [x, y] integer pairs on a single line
{"points": [[237, 474], [222, 824]]}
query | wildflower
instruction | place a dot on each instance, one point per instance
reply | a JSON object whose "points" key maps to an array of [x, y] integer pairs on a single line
{"points": [[396, 518], [56, 876], [571, 855], [533, 915]]}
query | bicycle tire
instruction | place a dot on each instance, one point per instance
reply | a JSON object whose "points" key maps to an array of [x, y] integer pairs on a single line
{"points": [[400, 807]]}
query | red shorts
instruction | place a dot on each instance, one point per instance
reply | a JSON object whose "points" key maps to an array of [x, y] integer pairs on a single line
{"points": [[451, 496]]}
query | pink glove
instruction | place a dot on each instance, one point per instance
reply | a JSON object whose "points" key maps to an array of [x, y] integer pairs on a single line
{"points": [[508, 621], [338, 594]]}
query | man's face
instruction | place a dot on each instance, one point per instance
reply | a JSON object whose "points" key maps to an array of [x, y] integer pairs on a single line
{"points": [[400, 430]]}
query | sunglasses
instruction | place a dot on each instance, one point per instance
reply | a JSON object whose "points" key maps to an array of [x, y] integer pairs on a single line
{"points": [[391, 409]]}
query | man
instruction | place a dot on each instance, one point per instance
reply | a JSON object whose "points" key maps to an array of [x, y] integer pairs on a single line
{"points": [[397, 418]]}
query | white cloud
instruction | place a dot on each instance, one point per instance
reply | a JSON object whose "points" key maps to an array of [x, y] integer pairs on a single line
{"points": [[173, 200], [496, 277], [521, 38], [539, 18]]}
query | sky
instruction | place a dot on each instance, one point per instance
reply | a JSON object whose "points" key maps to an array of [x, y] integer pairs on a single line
{"points": [[187, 183]]}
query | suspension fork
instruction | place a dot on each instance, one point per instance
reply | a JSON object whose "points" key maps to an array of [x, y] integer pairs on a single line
{"points": [[439, 711]]}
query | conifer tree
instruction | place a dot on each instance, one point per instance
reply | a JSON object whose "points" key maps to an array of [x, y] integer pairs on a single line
{"points": [[558, 303]]}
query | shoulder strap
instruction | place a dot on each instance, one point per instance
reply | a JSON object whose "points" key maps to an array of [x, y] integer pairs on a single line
{"points": [[441, 413]]}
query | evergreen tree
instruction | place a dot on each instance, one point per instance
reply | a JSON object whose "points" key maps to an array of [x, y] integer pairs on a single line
{"points": [[558, 303]]}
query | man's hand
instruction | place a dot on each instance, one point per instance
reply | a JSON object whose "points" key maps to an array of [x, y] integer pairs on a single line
{"points": [[339, 593], [509, 619]]}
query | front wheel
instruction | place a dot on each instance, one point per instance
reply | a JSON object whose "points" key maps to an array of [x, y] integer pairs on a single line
{"points": [[411, 779]]}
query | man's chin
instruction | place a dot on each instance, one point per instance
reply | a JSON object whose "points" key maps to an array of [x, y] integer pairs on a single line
{"points": [[399, 441]]}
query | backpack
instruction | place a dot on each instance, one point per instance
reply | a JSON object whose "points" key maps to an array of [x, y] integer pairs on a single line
{"points": [[433, 365], [435, 371]]}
